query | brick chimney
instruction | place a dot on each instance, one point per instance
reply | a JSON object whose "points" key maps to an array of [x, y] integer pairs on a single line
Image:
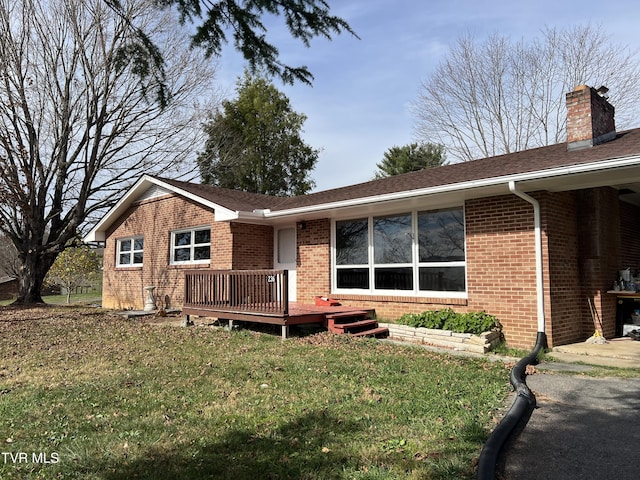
{"points": [[590, 118]]}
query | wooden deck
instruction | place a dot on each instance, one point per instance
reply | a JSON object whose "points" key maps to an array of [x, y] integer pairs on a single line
{"points": [[298, 314], [259, 296]]}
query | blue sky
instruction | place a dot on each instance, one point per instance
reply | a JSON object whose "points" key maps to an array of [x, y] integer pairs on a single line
{"points": [[360, 102]]}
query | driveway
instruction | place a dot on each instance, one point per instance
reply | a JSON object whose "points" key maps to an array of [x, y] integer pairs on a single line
{"points": [[582, 428]]}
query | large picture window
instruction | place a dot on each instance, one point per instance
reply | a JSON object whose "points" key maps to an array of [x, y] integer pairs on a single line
{"points": [[441, 251], [352, 254], [129, 252], [419, 253], [392, 252], [191, 246]]}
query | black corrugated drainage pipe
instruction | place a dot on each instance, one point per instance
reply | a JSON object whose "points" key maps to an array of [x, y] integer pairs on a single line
{"points": [[517, 416], [520, 412]]}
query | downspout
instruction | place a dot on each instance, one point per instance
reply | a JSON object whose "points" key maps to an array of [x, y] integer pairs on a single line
{"points": [[538, 241], [520, 412]]}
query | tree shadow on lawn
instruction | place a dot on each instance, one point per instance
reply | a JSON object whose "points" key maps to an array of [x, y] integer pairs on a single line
{"points": [[296, 450]]}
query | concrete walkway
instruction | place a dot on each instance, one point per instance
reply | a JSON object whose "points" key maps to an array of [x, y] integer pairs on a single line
{"points": [[583, 427], [618, 352]]}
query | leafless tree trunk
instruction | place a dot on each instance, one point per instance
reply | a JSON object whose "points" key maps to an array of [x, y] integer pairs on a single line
{"points": [[498, 96], [76, 127]]}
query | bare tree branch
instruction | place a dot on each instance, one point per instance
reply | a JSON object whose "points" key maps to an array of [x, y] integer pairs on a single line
{"points": [[76, 128], [499, 96]]}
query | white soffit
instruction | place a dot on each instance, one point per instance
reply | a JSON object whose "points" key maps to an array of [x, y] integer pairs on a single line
{"points": [[574, 177]]}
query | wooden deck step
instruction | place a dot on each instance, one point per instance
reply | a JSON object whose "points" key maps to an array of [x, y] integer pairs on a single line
{"points": [[355, 325], [374, 332], [338, 322], [345, 315]]}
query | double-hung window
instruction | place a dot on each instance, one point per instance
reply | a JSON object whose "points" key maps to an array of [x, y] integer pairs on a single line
{"points": [[129, 251], [412, 253], [191, 246]]}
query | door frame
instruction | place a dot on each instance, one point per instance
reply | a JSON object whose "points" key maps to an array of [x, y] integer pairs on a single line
{"points": [[291, 262]]}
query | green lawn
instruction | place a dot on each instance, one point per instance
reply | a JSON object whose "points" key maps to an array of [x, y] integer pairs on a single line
{"points": [[100, 397], [76, 298]]}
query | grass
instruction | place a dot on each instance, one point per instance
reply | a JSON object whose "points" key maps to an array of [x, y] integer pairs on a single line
{"points": [[506, 351], [111, 399], [76, 298]]}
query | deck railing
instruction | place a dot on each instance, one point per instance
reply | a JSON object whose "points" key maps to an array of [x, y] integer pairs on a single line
{"points": [[247, 291]]}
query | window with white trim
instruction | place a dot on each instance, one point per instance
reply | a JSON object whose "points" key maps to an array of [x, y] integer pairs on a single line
{"points": [[191, 246], [416, 253], [129, 252]]}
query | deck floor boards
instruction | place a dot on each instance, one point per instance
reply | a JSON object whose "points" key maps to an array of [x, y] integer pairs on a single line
{"points": [[299, 313]]}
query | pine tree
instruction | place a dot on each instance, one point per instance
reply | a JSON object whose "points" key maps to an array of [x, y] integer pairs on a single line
{"points": [[255, 143], [410, 158]]}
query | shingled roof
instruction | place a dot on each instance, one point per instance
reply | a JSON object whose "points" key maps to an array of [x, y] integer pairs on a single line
{"points": [[235, 200], [626, 144], [621, 155]]}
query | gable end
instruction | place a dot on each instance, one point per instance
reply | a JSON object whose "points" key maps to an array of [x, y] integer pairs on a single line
{"points": [[154, 191]]}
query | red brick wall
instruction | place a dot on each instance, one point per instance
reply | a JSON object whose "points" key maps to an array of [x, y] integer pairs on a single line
{"points": [[233, 246], [581, 255], [155, 219], [566, 310], [252, 246], [393, 307], [599, 231], [313, 259], [501, 271], [589, 115]]}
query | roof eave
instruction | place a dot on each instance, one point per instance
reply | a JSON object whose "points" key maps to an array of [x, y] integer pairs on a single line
{"points": [[528, 181], [480, 187], [99, 232]]}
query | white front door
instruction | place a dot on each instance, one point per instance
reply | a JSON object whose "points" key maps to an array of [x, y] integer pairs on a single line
{"points": [[285, 255]]}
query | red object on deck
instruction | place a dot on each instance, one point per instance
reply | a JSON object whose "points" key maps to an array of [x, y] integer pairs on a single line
{"points": [[326, 302]]}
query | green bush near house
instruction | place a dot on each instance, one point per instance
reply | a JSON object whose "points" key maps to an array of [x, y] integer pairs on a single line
{"points": [[447, 319]]}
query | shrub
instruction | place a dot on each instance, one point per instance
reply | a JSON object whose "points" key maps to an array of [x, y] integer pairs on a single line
{"points": [[447, 319], [429, 319]]}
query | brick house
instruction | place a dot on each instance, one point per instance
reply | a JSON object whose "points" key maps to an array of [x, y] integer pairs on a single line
{"points": [[8, 287], [535, 237]]}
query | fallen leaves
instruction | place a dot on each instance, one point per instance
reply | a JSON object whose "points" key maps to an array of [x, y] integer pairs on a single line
{"points": [[321, 395]]}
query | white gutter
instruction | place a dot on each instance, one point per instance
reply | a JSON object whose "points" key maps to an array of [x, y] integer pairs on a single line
{"points": [[538, 239], [592, 167]]}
